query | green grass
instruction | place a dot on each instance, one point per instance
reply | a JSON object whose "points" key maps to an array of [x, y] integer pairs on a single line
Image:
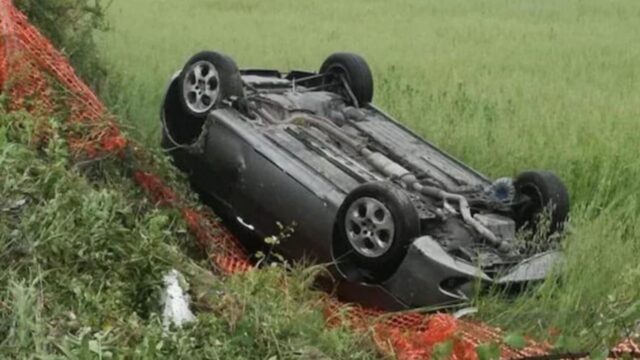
{"points": [[503, 85], [83, 254]]}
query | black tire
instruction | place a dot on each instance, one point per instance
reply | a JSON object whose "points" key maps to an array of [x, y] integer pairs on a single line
{"points": [[178, 127], [406, 228], [543, 190], [227, 83], [355, 70]]}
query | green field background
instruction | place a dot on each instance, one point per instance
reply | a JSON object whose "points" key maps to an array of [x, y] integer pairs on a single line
{"points": [[503, 85]]}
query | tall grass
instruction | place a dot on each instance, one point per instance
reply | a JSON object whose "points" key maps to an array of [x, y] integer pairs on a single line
{"points": [[70, 26], [503, 85], [83, 254]]}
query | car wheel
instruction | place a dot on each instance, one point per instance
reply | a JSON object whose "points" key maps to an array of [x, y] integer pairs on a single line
{"points": [[206, 79], [544, 192], [374, 226], [355, 70]]}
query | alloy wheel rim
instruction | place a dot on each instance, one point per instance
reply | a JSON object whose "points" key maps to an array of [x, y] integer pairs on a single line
{"points": [[370, 227], [201, 87]]}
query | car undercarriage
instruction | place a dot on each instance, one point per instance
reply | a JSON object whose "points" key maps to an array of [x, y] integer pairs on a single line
{"points": [[389, 211]]}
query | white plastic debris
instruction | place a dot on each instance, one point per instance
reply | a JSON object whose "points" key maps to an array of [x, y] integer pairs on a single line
{"points": [[464, 312], [176, 302]]}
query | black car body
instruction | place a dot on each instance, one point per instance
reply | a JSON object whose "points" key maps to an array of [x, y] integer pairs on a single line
{"points": [[402, 222]]}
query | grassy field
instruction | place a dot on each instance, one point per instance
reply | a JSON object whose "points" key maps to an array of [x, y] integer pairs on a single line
{"points": [[503, 85], [83, 254]]}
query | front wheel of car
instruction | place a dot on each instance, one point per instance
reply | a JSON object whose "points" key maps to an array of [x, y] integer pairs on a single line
{"points": [[545, 207], [374, 226], [355, 71], [206, 79]]}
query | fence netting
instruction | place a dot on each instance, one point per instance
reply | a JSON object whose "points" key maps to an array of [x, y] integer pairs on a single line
{"points": [[33, 74]]}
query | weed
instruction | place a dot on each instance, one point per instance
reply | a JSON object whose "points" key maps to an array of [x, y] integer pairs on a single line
{"points": [[83, 260], [71, 26]]}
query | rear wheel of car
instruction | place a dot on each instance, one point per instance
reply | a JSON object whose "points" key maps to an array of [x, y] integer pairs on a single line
{"points": [[206, 79], [546, 195], [374, 226], [355, 71]]}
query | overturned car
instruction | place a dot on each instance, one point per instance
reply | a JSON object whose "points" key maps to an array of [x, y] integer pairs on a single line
{"points": [[400, 221]]}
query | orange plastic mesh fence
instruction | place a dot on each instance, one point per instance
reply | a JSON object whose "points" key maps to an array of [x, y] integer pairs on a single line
{"points": [[31, 68]]}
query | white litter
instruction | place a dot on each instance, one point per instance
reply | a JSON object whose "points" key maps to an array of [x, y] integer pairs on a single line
{"points": [[465, 312], [176, 302]]}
